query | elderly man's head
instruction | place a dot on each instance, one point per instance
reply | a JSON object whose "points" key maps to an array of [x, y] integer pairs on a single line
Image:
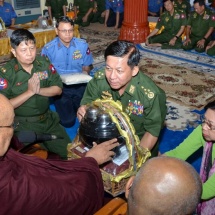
{"points": [[6, 122], [164, 186]]}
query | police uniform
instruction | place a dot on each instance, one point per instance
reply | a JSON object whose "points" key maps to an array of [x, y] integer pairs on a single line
{"points": [[56, 7], [184, 5], [200, 25], [84, 6], [99, 10], [171, 25], [34, 114], [68, 60], [114, 6], [7, 13], [154, 6], [143, 101]]}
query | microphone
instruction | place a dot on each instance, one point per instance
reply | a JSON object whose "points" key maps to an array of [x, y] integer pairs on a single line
{"points": [[33, 137]]}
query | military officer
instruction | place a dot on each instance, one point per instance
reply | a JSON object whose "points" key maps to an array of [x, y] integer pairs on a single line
{"points": [[173, 22], [142, 100], [56, 8], [114, 14], [200, 26], [28, 81], [99, 12], [83, 12], [68, 55], [183, 5]]}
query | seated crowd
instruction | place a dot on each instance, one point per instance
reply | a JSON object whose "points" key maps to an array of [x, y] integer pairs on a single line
{"points": [[163, 185]]}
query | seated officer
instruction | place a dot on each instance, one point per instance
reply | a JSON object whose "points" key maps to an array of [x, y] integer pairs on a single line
{"points": [[173, 21], [7, 13], [200, 26], [83, 12], [68, 55], [99, 12], [28, 81]]}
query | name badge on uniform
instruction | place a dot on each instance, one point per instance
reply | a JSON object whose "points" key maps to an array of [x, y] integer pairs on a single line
{"points": [[42, 75]]}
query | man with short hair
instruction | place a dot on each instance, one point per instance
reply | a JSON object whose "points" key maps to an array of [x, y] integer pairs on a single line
{"points": [[29, 81], [32, 186], [69, 55], [172, 23], [200, 26], [141, 98], [164, 186]]}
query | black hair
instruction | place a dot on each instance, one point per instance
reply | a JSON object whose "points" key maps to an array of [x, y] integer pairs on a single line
{"points": [[201, 2], [19, 36], [121, 48], [64, 19], [167, 0], [210, 105]]}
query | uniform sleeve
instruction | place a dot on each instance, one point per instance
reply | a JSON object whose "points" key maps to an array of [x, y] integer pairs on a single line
{"points": [[184, 19], [189, 20], [212, 20], [154, 115], [13, 13], [91, 93], [191, 144], [160, 22], [87, 56]]}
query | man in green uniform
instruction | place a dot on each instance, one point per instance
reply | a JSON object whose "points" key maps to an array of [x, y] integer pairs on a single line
{"points": [[99, 12], [28, 82], [142, 100], [183, 5], [200, 26], [173, 21], [84, 13], [56, 8]]}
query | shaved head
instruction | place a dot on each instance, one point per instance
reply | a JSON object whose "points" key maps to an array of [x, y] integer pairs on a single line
{"points": [[165, 186], [6, 119]]}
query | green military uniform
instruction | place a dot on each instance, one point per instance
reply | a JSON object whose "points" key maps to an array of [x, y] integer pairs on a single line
{"points": [[211, 51], [34, 114], [143, 101], [200, 25], [84, 6], [184, 5], [172, 25], [100, 9], [56, 7]]}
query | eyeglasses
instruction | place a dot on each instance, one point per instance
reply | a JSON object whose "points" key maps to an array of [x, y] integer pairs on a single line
{"points": [[66, 31], [208, 123], [14, 125]]}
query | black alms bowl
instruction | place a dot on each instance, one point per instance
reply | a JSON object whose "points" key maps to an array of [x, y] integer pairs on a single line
{"points": [[97, 126]]}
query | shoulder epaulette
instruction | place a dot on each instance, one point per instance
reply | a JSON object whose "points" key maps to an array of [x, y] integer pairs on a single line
{"points": [[100, 74]]}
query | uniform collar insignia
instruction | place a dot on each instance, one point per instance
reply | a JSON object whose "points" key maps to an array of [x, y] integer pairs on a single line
{"points": [[3, 69], [132, 89]]}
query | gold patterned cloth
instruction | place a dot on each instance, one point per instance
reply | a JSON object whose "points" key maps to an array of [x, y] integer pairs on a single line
{"points": [[42, 36]]}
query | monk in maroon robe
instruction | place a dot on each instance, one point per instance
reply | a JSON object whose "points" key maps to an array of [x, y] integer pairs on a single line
{"points": [[30, 185]]}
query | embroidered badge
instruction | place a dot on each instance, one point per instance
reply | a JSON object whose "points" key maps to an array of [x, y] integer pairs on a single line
{"points": [[3, 83], [42, 75], [194, 15], [167, 19], [88, 51], [52, 68], [177, 16], [132, 88], [3, 69], [76, 55], [135, 108], [206, 17]]}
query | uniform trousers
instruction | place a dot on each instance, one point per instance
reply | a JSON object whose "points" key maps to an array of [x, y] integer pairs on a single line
{"points": [[68, 103], [111, 22]]}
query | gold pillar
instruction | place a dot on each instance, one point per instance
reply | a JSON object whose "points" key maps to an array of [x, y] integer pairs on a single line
{"points": [[135, 27]]}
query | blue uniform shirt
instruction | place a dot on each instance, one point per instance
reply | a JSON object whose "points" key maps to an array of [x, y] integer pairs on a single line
{"points": [[114, 5], [155, 5], [7, 13], [71, 59]]}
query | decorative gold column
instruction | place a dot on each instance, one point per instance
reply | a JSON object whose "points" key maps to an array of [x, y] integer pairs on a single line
{"points": [[135, 27]]}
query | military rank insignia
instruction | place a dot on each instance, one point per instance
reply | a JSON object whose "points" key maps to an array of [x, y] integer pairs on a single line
{"points": [[42, 75], [3, 83], [135, 107]]}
